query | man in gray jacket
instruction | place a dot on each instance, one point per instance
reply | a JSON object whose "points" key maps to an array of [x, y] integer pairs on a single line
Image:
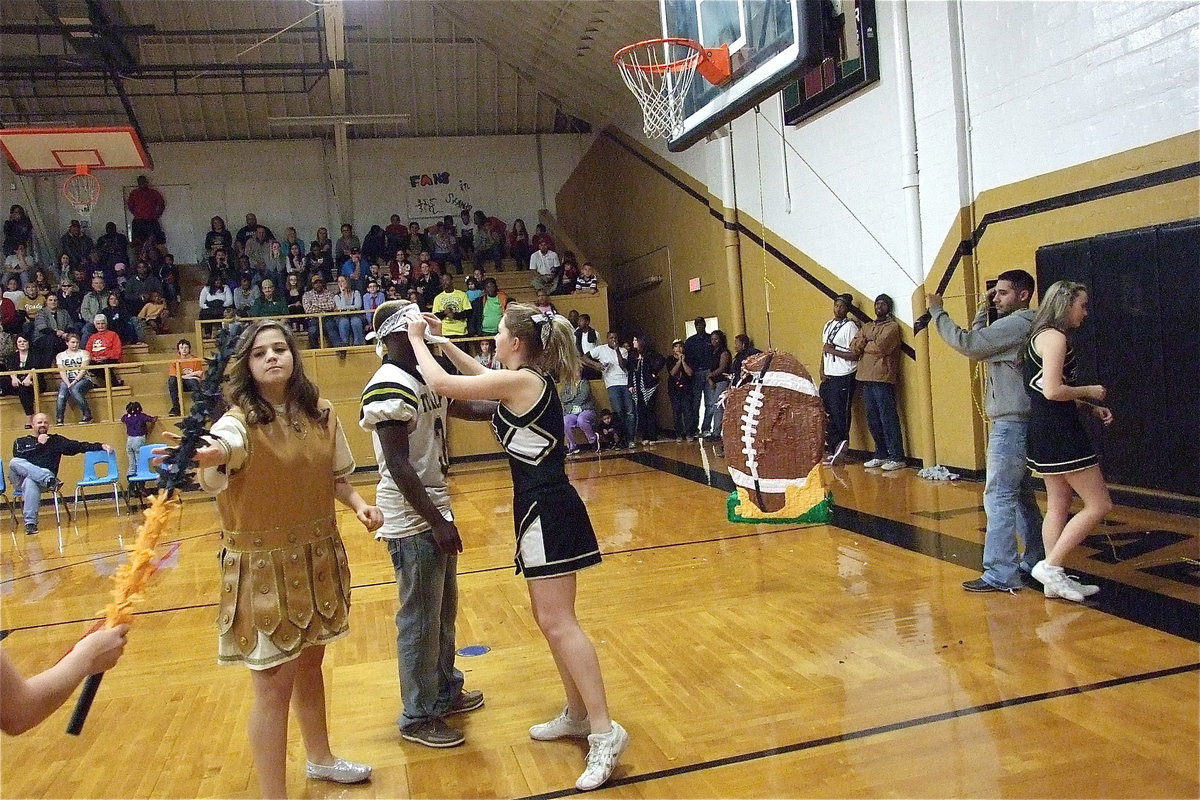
{"points": [[1007, 495]]}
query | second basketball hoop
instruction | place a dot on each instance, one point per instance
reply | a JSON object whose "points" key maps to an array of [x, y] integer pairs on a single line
{"points": [[659, 72], [82, 190]]}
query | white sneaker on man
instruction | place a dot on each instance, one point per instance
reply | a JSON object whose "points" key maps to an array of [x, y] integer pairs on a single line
{"points": [[891, 464], [604, 750], [874, 462]]}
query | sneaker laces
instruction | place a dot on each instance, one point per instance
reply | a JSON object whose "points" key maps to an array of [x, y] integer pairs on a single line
{"points": [[603, 757]]}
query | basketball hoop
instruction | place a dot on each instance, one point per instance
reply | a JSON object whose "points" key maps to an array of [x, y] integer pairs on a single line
{"points": [[82, 190], [660, 82]]}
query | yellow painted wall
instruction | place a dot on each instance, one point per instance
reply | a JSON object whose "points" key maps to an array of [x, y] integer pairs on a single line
{"points": [[616, 203]]}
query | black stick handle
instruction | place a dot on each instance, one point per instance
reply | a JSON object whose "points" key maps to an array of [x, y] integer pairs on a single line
{"points": [[84, 704]]}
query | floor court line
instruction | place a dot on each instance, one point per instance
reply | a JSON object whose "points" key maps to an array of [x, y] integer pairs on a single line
{"points": [[876, 730]]}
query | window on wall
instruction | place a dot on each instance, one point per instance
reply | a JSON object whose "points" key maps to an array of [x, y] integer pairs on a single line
{"points": [[849, 59]]}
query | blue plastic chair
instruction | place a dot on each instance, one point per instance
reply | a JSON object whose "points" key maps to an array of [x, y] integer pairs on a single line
{"points": [[91, 461], [146, 471]]}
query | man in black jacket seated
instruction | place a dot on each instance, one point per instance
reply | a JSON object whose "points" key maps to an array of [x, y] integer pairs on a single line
{"points": [[34, 465]]}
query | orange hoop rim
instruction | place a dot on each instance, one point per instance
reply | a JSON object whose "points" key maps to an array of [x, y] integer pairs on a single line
{"points": [[661, 69], [713, 63], [82, 188]]}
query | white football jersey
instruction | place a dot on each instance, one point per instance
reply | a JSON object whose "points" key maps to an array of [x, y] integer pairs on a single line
{"points": [[396, 395]]}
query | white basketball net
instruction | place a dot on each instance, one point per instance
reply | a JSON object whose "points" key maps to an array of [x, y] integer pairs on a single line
{"points": [[660, 84], [82, 190]]}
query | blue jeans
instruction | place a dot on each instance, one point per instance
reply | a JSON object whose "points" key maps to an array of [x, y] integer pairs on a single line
{"points": [[328, 325], [1012, 513], [714, 415], [883, 419], [622, 408], [78, 393], [31, 480], [427, 580], [350, 329]]}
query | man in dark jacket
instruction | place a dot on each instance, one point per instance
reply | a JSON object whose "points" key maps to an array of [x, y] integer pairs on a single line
{"points": [[698, 353], [34, 465]]}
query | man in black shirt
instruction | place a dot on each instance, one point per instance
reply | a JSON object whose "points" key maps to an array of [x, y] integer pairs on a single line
{"points": [[34, 465], [698, 353]]}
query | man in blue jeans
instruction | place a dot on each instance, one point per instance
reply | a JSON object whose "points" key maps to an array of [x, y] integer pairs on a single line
{"points": [[1008, 498], [698, 354], [34, 465], [612, 360], [407, 421]]}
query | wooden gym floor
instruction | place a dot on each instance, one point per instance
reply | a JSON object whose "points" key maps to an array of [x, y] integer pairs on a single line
{"points": [[746, 661]]}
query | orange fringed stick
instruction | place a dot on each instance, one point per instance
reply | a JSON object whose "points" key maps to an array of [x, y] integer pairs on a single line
{"points": [[132, 577], [129, 585]]}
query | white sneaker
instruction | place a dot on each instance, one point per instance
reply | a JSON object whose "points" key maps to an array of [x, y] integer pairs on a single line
{"points": [[340, 771], [604, 750], [1055, 583], [874, 462], [890, 465], [561, 727], [839, 453], [1085, 589]]}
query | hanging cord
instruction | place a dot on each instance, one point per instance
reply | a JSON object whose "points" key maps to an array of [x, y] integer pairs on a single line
{"points": [[762, 225]]}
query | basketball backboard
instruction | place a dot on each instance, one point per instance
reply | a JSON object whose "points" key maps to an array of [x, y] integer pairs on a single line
{"points": [[36, 150], [770, 42]]}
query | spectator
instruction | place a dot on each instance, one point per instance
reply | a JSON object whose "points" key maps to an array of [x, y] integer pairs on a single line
{"points": [[146, 204], [218, 237], [137, 427], [395, 234], [487, 311], [372, 299], [679, 388], [587, 282], [244, 296], [838, 367], [743, 348], [140, 287], [427, 283], [546, 268], [74, 380], [445, 246], [275, 264], [218, 264], [154, 314], [296, 263], [269, 303], [585, 335], [293, 295], [72, 301], [374, 245], [718, 382], [466, 234], [568, 276], [319, 261], [453, 307], [10, 320], [104, 348], [23, 382], [487, 354], [95, 302], [542, 235], [489, 240], [257, 247], [350, 326], [113, 245], [128, 327], [608, 433], [612, 360], [18, 229], [644, 365], [247, 232], [50, 328], [290, 238], [579, 412], [698, 351], [215, 298], [343, 246], [76, 243], [353, 270], [877, 346], [30, 305], [35, 461], [185, 370], [322, 243], [19, 263], [518, 243], [415, 241], [318, 300], [544, 305]]}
